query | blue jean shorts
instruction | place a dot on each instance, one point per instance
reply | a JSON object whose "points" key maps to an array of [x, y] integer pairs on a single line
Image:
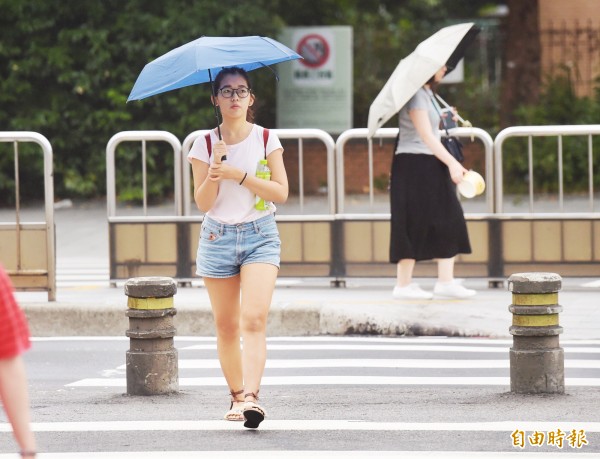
{"points": [[224, 249]]}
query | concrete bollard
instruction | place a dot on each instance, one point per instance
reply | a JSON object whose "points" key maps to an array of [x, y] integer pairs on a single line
{"points": [[537, 362], [151, 359]]}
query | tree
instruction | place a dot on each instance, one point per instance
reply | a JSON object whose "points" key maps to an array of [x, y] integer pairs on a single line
{"points": [[521, 81], [66, 69]]}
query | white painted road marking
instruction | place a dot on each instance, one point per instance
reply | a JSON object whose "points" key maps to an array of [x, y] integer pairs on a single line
{"points": [[390, 348], [309, 425], [376, 363], [250, 454], [343, 381]]}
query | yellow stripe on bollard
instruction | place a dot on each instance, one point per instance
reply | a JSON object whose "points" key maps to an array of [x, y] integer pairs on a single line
{"points": [[540, 320], [150, 303], [534, 299]]}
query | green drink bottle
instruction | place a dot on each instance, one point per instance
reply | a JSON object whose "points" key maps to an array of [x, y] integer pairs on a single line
{"points": [[262, 172]]}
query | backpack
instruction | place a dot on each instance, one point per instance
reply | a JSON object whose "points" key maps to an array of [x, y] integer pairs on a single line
{"points": [[209, 142]]}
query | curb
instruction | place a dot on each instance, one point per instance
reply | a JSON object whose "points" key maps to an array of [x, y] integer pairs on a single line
{"points": [[285, 319]]}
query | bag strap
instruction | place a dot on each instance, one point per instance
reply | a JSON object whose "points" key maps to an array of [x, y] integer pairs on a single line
{"points": [[209, 142], [444, 103], [440, 114]]}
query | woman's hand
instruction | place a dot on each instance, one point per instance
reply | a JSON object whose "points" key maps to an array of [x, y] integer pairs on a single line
{"points": [[219, 150], [456, 171], [223, 171], [220, 170]]}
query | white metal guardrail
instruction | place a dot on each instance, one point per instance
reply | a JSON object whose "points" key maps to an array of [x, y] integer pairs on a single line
{"points": [[390, 133], [543, 131], [27, 136], [300, 135], [143, 137], [352, 242]]}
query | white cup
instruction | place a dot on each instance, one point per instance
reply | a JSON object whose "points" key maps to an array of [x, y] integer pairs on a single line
{"points": [[471, 185]]}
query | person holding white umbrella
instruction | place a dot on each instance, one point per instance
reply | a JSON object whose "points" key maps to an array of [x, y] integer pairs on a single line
{"points": [[427, 220]]}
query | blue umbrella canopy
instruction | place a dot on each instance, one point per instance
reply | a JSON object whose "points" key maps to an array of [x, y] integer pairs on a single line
{"points": [[198, 61]]}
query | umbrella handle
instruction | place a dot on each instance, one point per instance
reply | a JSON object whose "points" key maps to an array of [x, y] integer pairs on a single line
{"points": [[218, 121], [212, 91]]}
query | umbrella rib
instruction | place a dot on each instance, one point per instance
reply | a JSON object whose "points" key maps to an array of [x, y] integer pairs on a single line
{"points": [[271, 69]]}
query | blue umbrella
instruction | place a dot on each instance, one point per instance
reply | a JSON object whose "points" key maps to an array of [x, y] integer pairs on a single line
{"points": [[197, 61]]}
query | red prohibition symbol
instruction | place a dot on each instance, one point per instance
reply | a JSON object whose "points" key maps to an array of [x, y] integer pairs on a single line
{"points": [[314, 49]]}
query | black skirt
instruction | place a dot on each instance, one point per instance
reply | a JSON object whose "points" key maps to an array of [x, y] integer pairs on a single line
{"points": [[427, 218]]}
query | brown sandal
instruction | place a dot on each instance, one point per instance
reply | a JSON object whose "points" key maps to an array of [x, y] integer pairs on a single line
{"points": [[235, 414], [253, 413]]}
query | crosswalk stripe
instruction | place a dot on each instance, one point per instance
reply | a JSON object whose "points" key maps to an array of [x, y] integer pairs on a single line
{"points": [[310, 425], [341, 380], [375, 363], [399, 347], [249, 454], [340, 339]]}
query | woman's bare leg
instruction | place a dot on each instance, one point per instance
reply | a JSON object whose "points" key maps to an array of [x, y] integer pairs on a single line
{"points": [[404, 272], [15, 398], [258, 283], [225, 301], [445, 269]]}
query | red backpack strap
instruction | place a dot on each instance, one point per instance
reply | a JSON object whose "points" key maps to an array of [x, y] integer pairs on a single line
{"points": [[265, 139], [208, 144]]}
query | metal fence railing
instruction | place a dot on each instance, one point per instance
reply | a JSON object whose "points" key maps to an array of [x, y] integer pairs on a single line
{"points": [[340, 242], [300, 135], [390, 133], [529, 132], [143, 137], [31, 259]]}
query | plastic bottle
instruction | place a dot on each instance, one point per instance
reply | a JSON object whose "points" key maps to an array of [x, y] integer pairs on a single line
{"points": [[262, 172]]}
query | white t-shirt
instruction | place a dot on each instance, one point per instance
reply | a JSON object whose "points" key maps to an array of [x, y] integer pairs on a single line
{"points": [[235, 203]]}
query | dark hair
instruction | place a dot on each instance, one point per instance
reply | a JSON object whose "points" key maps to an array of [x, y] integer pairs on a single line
{"points": [[234, 71], [433, 85]]}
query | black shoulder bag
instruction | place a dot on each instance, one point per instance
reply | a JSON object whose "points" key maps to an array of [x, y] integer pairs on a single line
{"points": [[451, 143]]}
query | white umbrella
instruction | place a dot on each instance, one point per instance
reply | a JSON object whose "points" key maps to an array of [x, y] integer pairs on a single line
{"points": [[445, 47]]}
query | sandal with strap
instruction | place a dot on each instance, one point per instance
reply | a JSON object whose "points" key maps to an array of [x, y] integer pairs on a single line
{"points": [[235, 414], [253, 413], [25, 453]]}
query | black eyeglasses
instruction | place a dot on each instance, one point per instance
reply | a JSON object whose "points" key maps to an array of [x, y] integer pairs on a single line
{"points": [[242, 92]]}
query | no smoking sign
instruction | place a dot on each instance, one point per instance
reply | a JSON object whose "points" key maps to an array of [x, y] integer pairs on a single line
{"points": [[314, 49]]}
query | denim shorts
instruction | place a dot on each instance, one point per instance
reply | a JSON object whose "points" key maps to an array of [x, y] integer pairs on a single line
{"points": [[224, 249]]}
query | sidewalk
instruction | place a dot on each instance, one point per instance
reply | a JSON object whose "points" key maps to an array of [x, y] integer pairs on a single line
{"points": [[311, 307]]}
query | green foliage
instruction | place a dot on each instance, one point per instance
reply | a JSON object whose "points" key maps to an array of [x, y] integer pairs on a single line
{"points": [[558, 105], [66, 69]]}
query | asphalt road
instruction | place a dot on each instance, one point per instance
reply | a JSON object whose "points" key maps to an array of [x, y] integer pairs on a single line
{"points": [[398, 397]]}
